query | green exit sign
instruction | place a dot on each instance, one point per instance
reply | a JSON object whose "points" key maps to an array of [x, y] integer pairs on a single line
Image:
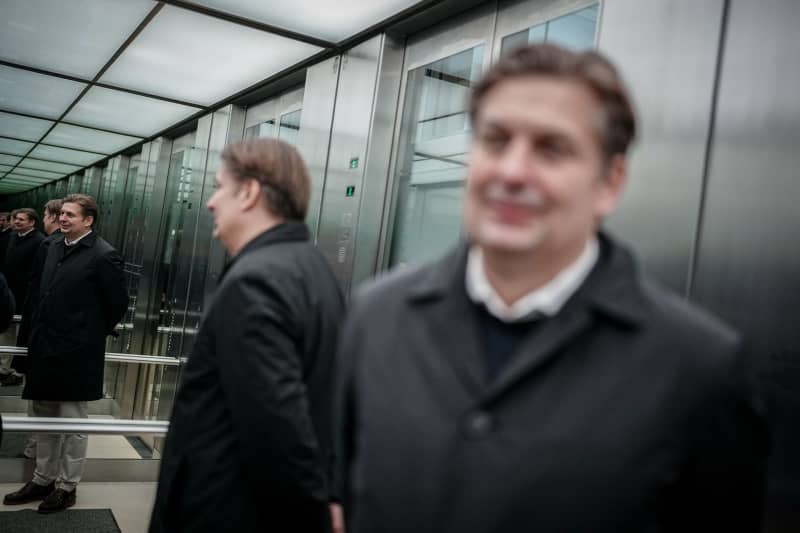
{"points": [[351, 190], [353, 162]]}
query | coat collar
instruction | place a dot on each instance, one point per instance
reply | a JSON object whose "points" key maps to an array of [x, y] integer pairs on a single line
{"points": [[87, 241], [283, 232], [612, 292], [612, 288]]}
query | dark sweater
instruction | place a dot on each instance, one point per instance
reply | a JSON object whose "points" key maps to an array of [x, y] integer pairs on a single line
{"points": [[500, 340]]}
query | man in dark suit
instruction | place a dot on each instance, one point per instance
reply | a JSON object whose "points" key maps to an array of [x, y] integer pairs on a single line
{"points": [[249, 446], [20, 256], [5, 235], [532, 380], [82, 296]]}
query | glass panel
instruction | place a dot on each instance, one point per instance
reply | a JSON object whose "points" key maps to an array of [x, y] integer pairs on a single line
{"points": [[13, 146], [334, 21], [54, 153], [209, 58], [260, 131], [88, 139], [37, 173], [48, 165], [76, 37], [37, 94], [575, 30], [9, 159], [124, 112], [290, 127], [435, 134], [26, 128]]}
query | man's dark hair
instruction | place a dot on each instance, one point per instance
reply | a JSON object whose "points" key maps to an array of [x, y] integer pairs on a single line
{"points": [[30, 213], [589, 68], [87, 204], [53, 207], [280, 170]]}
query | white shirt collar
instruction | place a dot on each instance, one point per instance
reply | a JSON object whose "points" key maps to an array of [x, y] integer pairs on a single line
{"points": [[23, 234], [72, 243], [547, 299]]}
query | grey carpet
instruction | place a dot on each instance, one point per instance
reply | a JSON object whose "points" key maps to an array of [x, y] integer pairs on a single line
{"points": [[69, 521]]}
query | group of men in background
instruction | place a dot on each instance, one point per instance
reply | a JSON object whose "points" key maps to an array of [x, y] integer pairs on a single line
{"points": [[69, 288]]}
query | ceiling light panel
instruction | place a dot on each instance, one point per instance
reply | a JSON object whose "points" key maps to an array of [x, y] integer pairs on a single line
{"points": [[22, 180], [192, 57], [88, 139], [125, 112], [76, 37], [25, 128], [13, 146], [63, 155], [9, 159], [332, 21], [36, 94], [38, 164], [35, 173]]}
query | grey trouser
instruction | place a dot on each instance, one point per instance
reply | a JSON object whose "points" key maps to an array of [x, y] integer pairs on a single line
{"points": [[60, 458], [5, 365], [7, 338]]}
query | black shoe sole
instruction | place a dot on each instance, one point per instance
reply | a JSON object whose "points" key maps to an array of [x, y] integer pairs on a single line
{"points": [[23, 502]]}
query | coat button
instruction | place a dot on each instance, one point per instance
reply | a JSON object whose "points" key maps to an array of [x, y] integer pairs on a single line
{"points": [[478, 424]]}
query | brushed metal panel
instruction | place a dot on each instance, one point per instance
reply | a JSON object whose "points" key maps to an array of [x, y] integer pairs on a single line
{"points": [[667, 52], [748, 262], [349, 136], [313, 140], [378, 159]]}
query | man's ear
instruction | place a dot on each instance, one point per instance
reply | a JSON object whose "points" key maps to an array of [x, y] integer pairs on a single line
{"points": [[90, 218], [251, 194]]}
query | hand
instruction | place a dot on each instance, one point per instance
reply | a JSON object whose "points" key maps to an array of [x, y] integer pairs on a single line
{"points": [[337, 518]]}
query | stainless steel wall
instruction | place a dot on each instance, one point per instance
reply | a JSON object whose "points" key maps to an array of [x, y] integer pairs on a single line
{"points": [[667, 52], [748, 261]]}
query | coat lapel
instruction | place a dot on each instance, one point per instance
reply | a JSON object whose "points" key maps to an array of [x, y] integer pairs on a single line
{"points": [[611, 294], [443, 308]]}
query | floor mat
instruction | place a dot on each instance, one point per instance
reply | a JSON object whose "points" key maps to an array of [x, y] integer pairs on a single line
{"points": [[69, 521]]}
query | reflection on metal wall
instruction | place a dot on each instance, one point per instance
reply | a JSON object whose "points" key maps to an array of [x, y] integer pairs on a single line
{"points": [[667, 52], [748, 261]]}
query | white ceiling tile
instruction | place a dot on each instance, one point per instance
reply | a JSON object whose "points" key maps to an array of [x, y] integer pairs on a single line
{"points": [[125, 112], [324, 19], [29, 129], [88, 139], [36, 94], [13, 146], [195, 58], [76, 37], [53, 153]]}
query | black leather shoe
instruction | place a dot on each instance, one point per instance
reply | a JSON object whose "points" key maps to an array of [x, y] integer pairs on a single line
{"points": [[31, 492], [58, 500]]}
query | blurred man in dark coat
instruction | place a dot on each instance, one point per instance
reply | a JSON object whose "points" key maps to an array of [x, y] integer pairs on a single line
{"points": [[82, 296], [20, 256], [5, 235], [6, 313], [249, 444], [532, 380]]}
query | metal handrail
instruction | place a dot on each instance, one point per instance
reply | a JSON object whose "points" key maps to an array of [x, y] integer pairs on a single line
{"points": [[16, 319], [85, 426], [111, 357]]}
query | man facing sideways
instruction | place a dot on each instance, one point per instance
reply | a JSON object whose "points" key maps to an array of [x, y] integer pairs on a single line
{"points": [[249, 446], [532, 379], [20, 256], [81, 298]]}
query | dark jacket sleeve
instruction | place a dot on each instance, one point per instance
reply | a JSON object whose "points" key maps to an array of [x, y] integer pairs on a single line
{"points": [[725, 479], [262, 375], [112, 285], [7, 304]]}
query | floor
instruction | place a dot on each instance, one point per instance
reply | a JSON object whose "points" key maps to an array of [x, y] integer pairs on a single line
{"points": [[131, 503]]}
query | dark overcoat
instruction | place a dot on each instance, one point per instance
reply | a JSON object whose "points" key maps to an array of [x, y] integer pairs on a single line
{"points": [[249, 444], [628, 411], [7, 304], [20, 256], [82, 296], [28, 308], [5, 236]]}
